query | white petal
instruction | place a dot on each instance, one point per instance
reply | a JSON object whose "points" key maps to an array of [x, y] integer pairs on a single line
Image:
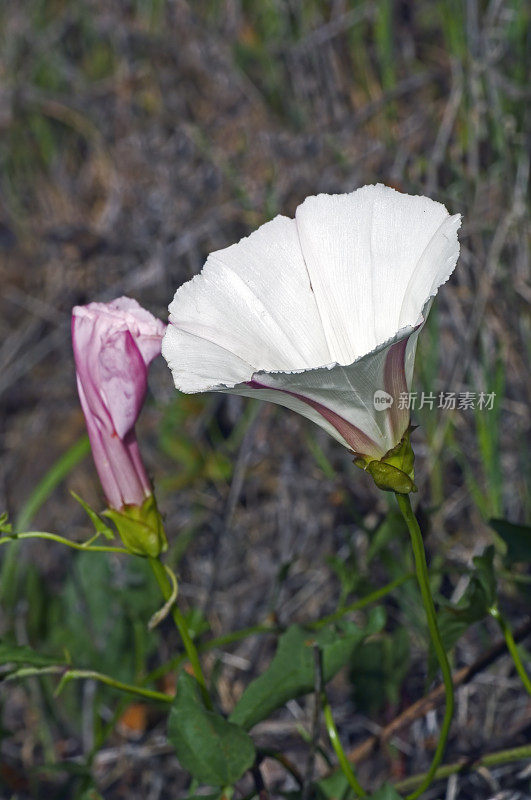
{"points": [[318, 313], [253, 300], [199, 365], [361, 251], [341, 399], [434, 267]]}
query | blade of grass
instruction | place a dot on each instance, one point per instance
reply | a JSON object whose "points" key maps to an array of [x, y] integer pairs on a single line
{"points": [[51, 480]]}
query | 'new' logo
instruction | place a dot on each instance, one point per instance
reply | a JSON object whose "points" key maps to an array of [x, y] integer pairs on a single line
{"points": [[382, 400]]}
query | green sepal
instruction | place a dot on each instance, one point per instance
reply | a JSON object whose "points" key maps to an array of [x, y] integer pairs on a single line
{"points": [[140, 527], [5, 525], [99, 525], [389, 478], [394, 472], [402, 456]]}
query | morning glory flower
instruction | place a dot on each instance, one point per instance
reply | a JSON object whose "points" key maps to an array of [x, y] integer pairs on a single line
{"points": [[114, 343], [320, 313]]}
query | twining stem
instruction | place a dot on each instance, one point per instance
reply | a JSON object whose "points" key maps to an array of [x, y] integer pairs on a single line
{"points": [[180, 622], [259, 630], [163, 612], [435, 697], [68, 675], [511, 646], [488, 760], [54, 537], [148, 694], [356, 605], [338, 747], [427, 600]]}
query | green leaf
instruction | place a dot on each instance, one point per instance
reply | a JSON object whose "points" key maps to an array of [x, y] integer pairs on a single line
{"points": [[333, 787], [102, 612], [378, 669], [99, 525], [5, 525], [215, 751], [20, 654], [392, 528], [474, 605], [91, 794], [516, 537], [348, 574], [337, 787], [385, 792], [196, 622], [291, 672], [209, 796]]}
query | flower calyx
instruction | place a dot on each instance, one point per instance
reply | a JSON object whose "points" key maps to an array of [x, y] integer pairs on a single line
{"points": [[140, 527], [394, 472]]}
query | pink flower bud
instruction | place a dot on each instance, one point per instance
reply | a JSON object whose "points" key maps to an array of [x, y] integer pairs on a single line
{"points": [[114, 343]]}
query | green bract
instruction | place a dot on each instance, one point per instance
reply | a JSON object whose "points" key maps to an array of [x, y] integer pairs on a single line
{"points": [[394, 472], [140, 528]]}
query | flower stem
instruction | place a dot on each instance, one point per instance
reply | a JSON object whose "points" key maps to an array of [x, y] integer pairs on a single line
{"points": [[87, 674], [511, 647], [465, 765], [54, 537], [427, 600], [68, 675], [180, 622], [356, 605], [340, 753], [258, 630]]}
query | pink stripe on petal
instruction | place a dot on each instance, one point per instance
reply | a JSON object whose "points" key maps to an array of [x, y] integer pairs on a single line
{"points": [[395, 383], [360, 443], [122, 379]]}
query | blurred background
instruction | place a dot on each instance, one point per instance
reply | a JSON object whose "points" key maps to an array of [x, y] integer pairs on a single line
{"points": [[135, 137]]}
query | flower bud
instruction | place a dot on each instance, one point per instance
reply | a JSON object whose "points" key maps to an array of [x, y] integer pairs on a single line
{"points": [[114, 343]]}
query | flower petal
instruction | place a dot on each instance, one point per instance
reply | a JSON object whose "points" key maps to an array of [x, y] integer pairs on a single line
{"points": [[253, 300], [123, 314], [341, 399], [398, 359], [433, 268], [113, 344], [199, 365], [319, 313], [122, 379], [362, 251]]}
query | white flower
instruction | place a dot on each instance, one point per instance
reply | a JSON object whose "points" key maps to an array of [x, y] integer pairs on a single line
{"points": [[319, 312]]}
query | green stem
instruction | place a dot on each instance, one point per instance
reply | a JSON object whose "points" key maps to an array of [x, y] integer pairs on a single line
{"points": [[340, 753], [373, 597], [489, 760], [515, 577], [511, 647], [55, 475], [148, 694], [259, 630], [280, 758], [180, 622], [59, 470], [220, 641], [424, 585], [54, 537], [72, 674]]}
